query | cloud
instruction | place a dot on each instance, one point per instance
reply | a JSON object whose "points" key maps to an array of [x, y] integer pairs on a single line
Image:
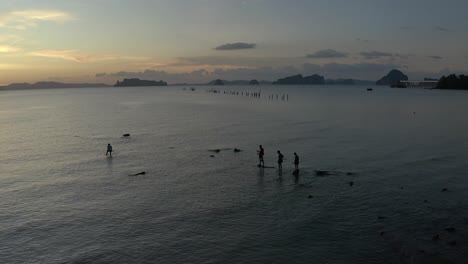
{"points": [[435, 57], [76, 56], [327, 54], [28, 18], [362, 40], [8, 48], [236, 46], [380, 54], [375, 54], [442, 29], [363, 71], [237, 61]]}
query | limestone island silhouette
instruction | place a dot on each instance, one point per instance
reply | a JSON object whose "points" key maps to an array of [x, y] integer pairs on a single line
{"points": [[138, 82]]}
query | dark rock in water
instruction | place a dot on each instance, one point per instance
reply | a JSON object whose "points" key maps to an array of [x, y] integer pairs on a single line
{"points": [[215, 150], [136, 174], [351, 183], [322, 173], [381, 217], [296, 172], [125, 135], [450, 229], [237, 150], [310, 196], [444, 190], [436, 237], [452, 243]]}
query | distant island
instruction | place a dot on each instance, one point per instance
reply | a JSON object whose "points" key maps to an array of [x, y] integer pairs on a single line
{"points": [[138, 82], [238, 82], [300, 80], [50, 85], [453, 82], [393, 78], [348, 82]]}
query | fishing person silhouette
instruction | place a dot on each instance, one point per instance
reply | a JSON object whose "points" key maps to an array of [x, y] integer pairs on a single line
{"points": [[109, 150], [261, 153], [280, 160]]}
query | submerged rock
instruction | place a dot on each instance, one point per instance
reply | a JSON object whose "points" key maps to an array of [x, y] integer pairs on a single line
{"points": [[322, 173], [137, 174], [452, 243], [450, 229], [215, 150]]}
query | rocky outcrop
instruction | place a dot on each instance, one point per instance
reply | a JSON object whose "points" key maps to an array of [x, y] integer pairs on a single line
{"points": [[300, 80], [393, 78], [138, 82], [218, 82]]}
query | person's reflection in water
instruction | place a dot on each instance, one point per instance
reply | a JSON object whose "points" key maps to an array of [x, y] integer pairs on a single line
{"points": [[280, 176], [261, 174]]}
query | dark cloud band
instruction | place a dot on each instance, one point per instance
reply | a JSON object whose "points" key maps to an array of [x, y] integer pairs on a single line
{"points": [[236, 46]]}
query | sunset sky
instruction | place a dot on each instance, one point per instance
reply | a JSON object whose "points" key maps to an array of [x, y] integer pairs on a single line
{"points": [[199, 40]]}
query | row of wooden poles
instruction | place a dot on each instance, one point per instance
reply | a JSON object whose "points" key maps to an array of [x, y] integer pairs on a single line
{"points": [[283, 97]]}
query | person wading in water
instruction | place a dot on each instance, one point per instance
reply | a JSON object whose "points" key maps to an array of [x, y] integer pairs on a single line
{"points": [[280, 160], [109, 150], [296, 161], [261, 153]]}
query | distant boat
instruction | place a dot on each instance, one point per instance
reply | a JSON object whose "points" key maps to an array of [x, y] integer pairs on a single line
{"points": [[370, 89]]}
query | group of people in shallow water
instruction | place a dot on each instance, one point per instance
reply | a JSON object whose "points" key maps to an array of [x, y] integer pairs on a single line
{"points": [[260, 153], [261, 163]]}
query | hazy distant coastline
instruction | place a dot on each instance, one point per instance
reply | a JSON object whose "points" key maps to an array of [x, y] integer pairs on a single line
{"points": [[50, 85], [394, 78]]}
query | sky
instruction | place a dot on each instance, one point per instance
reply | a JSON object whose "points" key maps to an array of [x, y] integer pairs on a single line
{"points": [[195, 41]]}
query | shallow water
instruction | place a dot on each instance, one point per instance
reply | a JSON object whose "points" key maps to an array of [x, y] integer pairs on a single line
{"points": [[63, 201]]}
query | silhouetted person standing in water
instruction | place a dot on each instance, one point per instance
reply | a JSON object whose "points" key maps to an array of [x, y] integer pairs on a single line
{"points": [[280, 160], [260, 154], [109, 150], [296, 161]]}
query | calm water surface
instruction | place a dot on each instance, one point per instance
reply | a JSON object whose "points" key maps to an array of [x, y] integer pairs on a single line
{"points": [[63, 201]]}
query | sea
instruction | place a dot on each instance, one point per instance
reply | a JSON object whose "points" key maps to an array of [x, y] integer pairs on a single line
{"points": [[383, 175]]}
